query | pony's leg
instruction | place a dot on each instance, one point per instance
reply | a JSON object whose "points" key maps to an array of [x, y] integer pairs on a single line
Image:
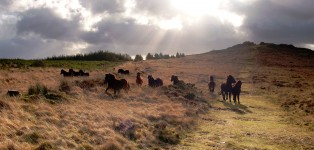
{"points": [[234, 98], [238, 98]]}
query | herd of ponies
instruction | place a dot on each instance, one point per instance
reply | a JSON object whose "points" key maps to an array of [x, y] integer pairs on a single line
{"points": [[230, 88]]}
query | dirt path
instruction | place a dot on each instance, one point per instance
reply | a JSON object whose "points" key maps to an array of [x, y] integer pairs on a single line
{"points": [[256, 123]]}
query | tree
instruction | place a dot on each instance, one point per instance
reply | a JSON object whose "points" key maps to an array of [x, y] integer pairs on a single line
{"points": [[138, 58], [149, 56]]}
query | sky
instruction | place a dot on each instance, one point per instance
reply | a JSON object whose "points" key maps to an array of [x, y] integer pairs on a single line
{"points": [[32, 29]]}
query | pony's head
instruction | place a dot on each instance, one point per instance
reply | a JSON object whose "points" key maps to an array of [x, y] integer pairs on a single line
{"points": [[138, 74], [211, 78], [174, 78], [62, 71], [109, 77], [238, 84], [230, 79]]}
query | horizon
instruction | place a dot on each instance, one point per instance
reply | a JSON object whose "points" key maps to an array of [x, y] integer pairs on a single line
{"points": [[144, 55], [39, 29]]}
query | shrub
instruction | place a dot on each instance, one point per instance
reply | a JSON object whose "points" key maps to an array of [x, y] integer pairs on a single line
{"points": [[190, 96], [32, 138], [169, 136], [112, 145], [65, 87], [38, 89], [45, 146], [38, 63]]}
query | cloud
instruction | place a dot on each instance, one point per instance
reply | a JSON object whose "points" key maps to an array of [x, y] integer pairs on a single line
{"points": [[288, 22], [46, 23], [38, 29], [101, 6]]}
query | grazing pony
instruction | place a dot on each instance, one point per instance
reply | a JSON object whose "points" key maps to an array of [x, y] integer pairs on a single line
{"points": [[139, 80], [121, 71], [226, 88], [65, 73], [154, 82], [176, 80], [115, 84], [236, 90], [211, 84], [82, 73]]}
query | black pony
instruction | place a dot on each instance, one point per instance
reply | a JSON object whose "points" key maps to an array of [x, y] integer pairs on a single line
{"points": [[175, 80], [82, 73], [121, 71], [115, 84], [236, 90], [65, 73], [154, 82], [211, 84], [226, 88], [74, 73]]}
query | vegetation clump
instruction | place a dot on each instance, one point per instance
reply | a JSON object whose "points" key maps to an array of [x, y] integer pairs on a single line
{"points": [[45, 146], [32, 138]]}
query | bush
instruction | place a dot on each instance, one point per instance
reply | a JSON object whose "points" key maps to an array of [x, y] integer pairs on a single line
{"points": [[38, 63], [38, 89], [45, 146], [64, 86], [32, 138], [169, 136], [112, 145]]}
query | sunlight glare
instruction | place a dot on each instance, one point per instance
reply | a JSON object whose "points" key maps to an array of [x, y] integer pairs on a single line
{"points": [[170, 24], [196, 9]]}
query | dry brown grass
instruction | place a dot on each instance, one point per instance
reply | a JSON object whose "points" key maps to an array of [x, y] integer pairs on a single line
{"points": [[148, 118]]}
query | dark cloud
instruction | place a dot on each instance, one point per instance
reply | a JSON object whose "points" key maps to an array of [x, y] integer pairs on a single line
{"points": [[46, 23], [32, 47], [288, 22], [100, 6]]}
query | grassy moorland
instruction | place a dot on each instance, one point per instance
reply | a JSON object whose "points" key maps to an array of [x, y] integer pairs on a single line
{"points": [[276, 110]]}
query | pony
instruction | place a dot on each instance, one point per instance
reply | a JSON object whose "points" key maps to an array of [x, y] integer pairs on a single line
{"points": [[236, 90], [65, 73], [211, 84], [175, 80], [226, 88], [121, 71], [74, 73], [115, 84], [82, 73], [154, 82], [139, 80]]}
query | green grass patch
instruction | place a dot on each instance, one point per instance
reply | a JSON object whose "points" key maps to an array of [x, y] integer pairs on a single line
{"points": [[76, 64]]}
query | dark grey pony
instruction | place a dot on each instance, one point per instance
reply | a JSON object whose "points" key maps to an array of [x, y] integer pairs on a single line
{"points": [[226, 88], [236, 90]]}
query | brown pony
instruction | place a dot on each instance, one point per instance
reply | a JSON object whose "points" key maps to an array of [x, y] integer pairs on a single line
{"points": [[139, 80], [236, 90], [115, 84]]}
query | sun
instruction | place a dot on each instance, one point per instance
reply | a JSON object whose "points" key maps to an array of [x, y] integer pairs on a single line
{"points": [[196, 8]]}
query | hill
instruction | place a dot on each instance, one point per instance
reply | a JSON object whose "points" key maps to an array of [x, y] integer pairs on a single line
{"points": [[276, 110]]}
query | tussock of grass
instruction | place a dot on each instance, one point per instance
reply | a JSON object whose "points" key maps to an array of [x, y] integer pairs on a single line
{"points": [[45, 146], [112, 145], [32, 138]]}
